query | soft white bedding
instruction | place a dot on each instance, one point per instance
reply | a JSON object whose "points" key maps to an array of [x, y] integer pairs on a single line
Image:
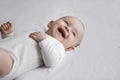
{"points": [[98, 57]]}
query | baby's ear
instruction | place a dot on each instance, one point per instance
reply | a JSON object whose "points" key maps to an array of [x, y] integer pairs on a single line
{"points": [[70, 48], [50, 23]]}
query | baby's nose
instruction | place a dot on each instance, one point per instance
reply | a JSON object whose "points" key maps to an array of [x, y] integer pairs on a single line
{"points": [[68, 31]]}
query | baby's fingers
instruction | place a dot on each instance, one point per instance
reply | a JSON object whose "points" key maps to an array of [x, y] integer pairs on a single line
{"points": [[32, 36], [5, 26], [38, 36]]}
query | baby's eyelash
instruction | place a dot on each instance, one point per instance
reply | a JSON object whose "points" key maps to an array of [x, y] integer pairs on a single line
{"points": [[74, 33], [66, 22]]}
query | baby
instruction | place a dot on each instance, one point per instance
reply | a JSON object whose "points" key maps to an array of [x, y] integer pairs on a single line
{"points": [[25, 52]]}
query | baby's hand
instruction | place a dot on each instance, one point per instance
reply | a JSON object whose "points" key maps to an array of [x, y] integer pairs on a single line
{"points": [[38, 36]]}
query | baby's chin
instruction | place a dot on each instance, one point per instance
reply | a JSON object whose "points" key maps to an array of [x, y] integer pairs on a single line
{"points": [[57, 37]]}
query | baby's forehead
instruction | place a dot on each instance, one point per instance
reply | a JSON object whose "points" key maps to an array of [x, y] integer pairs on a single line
{"points": [[68, 18], [73, 20]]}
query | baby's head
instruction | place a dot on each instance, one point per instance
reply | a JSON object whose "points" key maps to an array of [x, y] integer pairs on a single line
{"points": [[68, 30]]}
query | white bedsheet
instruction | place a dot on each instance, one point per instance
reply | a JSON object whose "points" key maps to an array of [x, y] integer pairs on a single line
{"points": [[98, 57]]}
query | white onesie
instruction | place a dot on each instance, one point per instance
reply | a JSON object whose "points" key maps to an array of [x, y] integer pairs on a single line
{"points": [[27, 54]]}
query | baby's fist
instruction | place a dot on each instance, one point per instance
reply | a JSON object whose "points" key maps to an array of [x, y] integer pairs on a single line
{"points": [[38, 36]]}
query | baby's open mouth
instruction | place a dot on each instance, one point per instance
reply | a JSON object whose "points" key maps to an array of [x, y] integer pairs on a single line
{"points": [[62, 32]]}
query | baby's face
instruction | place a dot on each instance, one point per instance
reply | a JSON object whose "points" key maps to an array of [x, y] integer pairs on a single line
{"points": [[68, 30]]}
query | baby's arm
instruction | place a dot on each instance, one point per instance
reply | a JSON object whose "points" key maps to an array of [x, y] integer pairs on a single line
{"points": [[52, 50]]}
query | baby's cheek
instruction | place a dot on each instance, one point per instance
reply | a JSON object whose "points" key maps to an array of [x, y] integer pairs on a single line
{"points": [[71, 40]]}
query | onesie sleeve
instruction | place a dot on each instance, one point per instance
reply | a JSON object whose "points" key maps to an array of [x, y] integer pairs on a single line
{"points": [[52, 51]]}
